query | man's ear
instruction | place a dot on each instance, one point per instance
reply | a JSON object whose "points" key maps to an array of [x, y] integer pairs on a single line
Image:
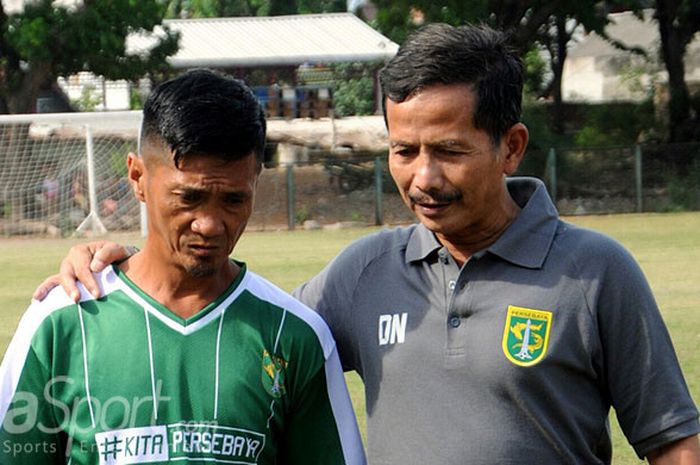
{"points": [[513, 145], [136, 170]]}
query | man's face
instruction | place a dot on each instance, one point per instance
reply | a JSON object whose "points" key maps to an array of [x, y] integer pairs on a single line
{"points": [[449, 173], [197, 212]]}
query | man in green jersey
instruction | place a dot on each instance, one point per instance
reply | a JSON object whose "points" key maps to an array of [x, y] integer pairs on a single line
{"points": [[187, 357]]}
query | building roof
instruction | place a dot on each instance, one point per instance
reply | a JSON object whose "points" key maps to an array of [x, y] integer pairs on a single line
{"points": [[274, 40]]}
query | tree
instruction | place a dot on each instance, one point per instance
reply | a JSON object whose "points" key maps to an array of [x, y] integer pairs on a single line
{"points": [[678, 20], [208, 8], [398, 18], [532, 25], [523, 19], [354, 88], [556, 33], [46, 41], [231, 8], [321, 6], [556, 42]]}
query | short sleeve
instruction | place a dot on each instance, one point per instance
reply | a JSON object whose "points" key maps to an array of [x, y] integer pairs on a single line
{"points": [[331, 293], [30, 433], [644, 378]]}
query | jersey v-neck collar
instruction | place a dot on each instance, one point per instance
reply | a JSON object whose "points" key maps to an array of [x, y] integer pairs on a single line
{"points": [[184, 325]]}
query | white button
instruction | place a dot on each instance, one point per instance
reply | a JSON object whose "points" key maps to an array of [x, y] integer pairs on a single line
{"points": [[452, 284]]}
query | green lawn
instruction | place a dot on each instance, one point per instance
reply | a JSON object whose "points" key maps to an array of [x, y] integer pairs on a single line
{"points": [[666, 245]]}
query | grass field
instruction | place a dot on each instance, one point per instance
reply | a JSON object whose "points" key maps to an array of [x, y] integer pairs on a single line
{"points": [[666, 245]]}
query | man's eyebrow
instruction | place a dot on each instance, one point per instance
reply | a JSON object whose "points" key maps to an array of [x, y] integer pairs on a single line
{"points": [[188, 188], [449, 143], [441, 144], [239, 194], [396, 143], [236, 194]]}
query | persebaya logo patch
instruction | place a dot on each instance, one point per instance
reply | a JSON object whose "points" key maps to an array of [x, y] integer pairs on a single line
{"points": [[526, 334], [273, 374]]}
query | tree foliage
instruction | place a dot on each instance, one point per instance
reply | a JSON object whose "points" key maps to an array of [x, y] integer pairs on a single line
{"points": [[534, 26], [354, 89], [549, 24], [525, 20], [229, 8], [207, 8], [46, 40], [398, 18]]}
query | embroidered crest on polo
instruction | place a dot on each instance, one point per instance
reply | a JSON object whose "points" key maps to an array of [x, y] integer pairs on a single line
{"points": [[526, 335], [273, 374]]}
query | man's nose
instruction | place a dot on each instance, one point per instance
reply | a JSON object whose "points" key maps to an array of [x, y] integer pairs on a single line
{"points": [[427, 173], [208, 224]]}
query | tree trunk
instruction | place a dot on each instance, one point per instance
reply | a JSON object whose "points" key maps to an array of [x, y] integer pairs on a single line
{"points": [[4, 63], [527, 26], [562, 38], [23, 99], [673, 48]]}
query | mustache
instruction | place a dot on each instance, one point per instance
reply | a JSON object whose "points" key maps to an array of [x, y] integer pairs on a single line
{"points": [[434, 196], [203, 241]]}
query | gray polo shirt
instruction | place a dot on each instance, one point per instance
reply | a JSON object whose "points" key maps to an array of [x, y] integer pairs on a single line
{"points": [[516, 357]]}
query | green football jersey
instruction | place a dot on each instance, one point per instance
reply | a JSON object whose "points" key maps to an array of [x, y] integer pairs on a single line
{"points": [[253, 378]]}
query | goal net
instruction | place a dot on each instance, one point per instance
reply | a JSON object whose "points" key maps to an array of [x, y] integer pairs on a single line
{"points": [[65, 173]]}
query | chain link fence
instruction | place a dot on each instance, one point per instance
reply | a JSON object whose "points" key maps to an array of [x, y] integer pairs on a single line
{"points": [[641, 178], [44, 185], [581, 181]]}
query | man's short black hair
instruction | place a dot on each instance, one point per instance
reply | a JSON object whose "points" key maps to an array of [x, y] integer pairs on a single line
{"points": [[205, 113], [474, 55]]}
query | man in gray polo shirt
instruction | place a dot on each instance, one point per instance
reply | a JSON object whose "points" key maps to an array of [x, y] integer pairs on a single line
{"points": [[492, 332], [449, 377]]}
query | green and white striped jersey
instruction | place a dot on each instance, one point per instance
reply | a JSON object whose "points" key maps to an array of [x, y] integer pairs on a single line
{"points": [[253, 378]]}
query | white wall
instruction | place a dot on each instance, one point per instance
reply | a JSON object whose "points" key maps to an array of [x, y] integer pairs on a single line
{"points": [[113, 95], [581, 81]]}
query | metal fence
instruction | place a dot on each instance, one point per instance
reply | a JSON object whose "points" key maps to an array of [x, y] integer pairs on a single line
{"points": [[581, 181], [330, 189], [641, 178]]}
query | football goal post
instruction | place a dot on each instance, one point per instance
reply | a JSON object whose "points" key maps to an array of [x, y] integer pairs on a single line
{"points": [[65, 173]]}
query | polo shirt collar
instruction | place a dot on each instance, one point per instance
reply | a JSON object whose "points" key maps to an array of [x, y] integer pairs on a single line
{"points": [[526, 242], [421, 244]]}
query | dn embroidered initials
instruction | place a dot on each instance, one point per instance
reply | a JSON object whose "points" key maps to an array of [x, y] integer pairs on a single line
{"points": [[392, 328]]}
